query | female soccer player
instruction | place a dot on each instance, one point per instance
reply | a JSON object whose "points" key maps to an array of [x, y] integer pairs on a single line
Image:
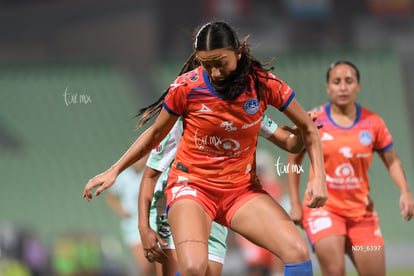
{"points": [[222, 97], [350, 136], [153, 225]]}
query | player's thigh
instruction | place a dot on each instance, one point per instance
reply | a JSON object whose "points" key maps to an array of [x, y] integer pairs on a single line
{"points": [[366, 246], [264, 222], [190, 225], [368, 262], [330, 251]]}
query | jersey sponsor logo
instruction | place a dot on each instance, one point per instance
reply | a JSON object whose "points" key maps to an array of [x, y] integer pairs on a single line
{"points": [[158, 148], [254, 123], [365, 137], [228, 144], [204, 108], [345, 169], [363, 155], [181, 167], [221, 158], [326, 137], [193, 76], [346, 152], [344, 178], [251, 106], [228, 126]]}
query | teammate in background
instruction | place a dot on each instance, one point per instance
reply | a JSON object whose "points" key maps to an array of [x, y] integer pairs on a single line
{"points": [[348, 223], [122, 198], [154, 228], [259, 261], [221, 96]]}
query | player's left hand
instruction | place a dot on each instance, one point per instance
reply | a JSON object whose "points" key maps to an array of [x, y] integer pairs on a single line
{"points": [[407, 206]]}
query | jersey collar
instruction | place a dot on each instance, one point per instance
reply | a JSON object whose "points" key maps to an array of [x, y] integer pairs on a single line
{"points": [[328, 114]]}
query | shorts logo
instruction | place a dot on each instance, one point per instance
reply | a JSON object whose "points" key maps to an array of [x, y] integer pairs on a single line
{"points": [[164, 231], [251, 106], [319, 224], [365, 138], [183, 191]]}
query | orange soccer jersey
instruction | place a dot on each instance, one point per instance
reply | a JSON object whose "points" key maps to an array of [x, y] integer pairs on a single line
{"points": [[347, 155], [220, 136]]}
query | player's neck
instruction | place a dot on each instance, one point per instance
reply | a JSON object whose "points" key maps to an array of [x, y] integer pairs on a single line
{"points": [[344, 115]]}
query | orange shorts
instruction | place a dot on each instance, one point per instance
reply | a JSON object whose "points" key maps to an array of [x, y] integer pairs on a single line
{"points": [[359, 231], [219, 203]]}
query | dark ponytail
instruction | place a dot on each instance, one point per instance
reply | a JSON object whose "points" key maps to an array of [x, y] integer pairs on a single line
{"points": [[154, 109]]}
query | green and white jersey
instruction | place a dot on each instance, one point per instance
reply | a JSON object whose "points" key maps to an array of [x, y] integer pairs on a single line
{"points": [[160, 159]]}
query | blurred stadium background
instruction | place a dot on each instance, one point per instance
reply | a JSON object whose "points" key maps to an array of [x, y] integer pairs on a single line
{"points": [[74, 73]]}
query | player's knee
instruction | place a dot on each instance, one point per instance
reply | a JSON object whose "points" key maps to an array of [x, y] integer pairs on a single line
{"points": [[333, 269], [299, 252], [193, 267]]}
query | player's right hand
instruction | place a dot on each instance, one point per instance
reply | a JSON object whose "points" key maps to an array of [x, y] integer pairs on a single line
{"points": [[103, 181], [317, 193]]}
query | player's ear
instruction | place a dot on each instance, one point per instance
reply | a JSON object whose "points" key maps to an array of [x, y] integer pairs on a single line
{"points": [[239, 53]]}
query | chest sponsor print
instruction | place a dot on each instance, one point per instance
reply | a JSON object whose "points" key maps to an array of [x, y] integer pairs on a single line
{"points": [[344, 178]]}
